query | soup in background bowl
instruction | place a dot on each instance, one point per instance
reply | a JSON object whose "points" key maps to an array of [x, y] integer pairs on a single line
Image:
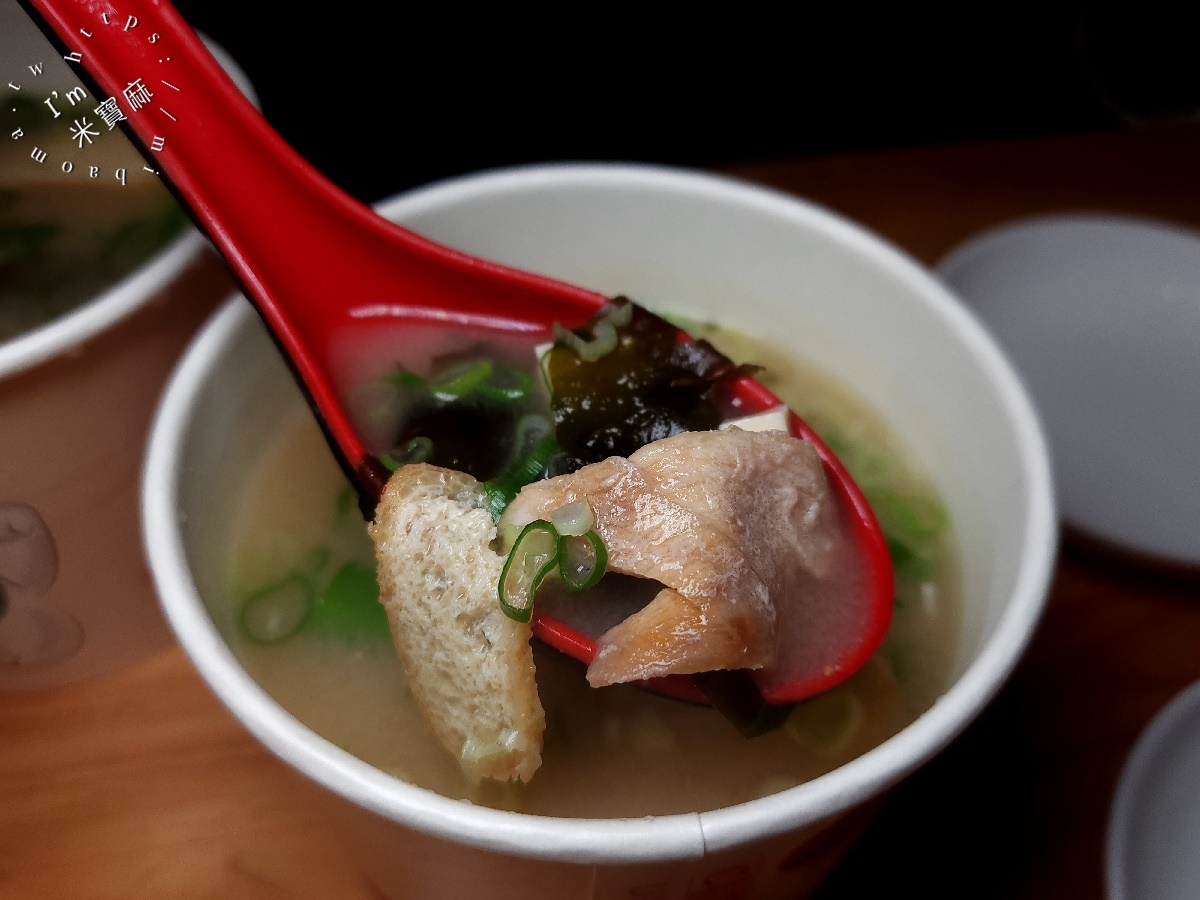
{"points": [[232, 459], [102, 284]]}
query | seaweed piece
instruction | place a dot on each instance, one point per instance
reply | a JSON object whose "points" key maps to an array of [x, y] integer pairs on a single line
{"points": [[654, 384], [733, 693]]}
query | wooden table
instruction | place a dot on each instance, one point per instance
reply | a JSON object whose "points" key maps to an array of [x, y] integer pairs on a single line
{"points": [[142, 786]]}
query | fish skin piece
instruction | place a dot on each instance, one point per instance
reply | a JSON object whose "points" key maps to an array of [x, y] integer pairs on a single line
{"points": [[731, 477], [725, 520]]}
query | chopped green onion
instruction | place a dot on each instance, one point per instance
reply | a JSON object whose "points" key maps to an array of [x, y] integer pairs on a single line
{"points": [[533, 557], [277, 611], [460, 380], [826, 723], [419, 449], [582, 560], [538, 550], [316, 560], [349, 606], [913, 526], [603, 342], [507, 384], [604, 338], [530, 429], [383, 399], [344, 502], [508, 536], [574, 519], [405, 378], [475, 755], [544, 368], [645, 733], [913, 518], [620, 314], [490, 379], [504, 487]]}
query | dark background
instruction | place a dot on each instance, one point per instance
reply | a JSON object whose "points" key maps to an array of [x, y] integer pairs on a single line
{"points": [[380, 98]]}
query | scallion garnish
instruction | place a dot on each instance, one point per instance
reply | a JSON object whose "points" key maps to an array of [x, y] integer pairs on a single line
{"points": [[539, 550], [507, 384], [582, 560], [574, 519], [533, 557], [349, 607], [419, 449], [602, 342], [277, 611], [504, 487], [531, 428], [405, 378], [460, 380]]}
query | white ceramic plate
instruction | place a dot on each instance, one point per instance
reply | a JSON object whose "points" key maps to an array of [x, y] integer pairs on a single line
{"points": [[1101, 316], [1154, 828]]}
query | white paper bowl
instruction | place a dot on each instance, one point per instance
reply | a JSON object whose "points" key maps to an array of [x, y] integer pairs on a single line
{"points": [[77, 395], [841, 297]]}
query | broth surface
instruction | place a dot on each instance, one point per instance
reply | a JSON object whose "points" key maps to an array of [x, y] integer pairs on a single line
{"points": [[615, 751]]}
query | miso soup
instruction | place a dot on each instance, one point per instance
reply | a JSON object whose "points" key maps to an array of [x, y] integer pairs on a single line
{"points": [[610, 752]]}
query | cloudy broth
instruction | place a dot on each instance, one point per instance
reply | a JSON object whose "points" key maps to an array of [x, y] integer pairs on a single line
{"points": [[615, 751]]}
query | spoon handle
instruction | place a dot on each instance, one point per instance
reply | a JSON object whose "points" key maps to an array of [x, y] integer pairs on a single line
{"points": [[311, 258], [320, 266], [245, 187]]}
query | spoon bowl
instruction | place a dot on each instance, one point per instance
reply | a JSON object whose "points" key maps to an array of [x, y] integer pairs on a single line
{"points": [[316, 262]]}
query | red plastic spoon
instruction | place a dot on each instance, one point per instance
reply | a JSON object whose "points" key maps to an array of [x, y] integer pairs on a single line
{"points": [[314, 260]]}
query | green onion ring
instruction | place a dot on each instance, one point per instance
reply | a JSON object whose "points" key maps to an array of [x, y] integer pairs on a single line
{"points": [[459, 381], [419, 449], [603, 342], [404, 377], [276, 612], [582, 561], [507, 384], [533, 557], [504, 487]]}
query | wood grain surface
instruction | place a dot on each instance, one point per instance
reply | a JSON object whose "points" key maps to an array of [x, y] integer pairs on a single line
{"points": [[143, 786]]}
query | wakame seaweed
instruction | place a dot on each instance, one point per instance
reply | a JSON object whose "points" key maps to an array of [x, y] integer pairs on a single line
{"points": [[652, 385]]}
